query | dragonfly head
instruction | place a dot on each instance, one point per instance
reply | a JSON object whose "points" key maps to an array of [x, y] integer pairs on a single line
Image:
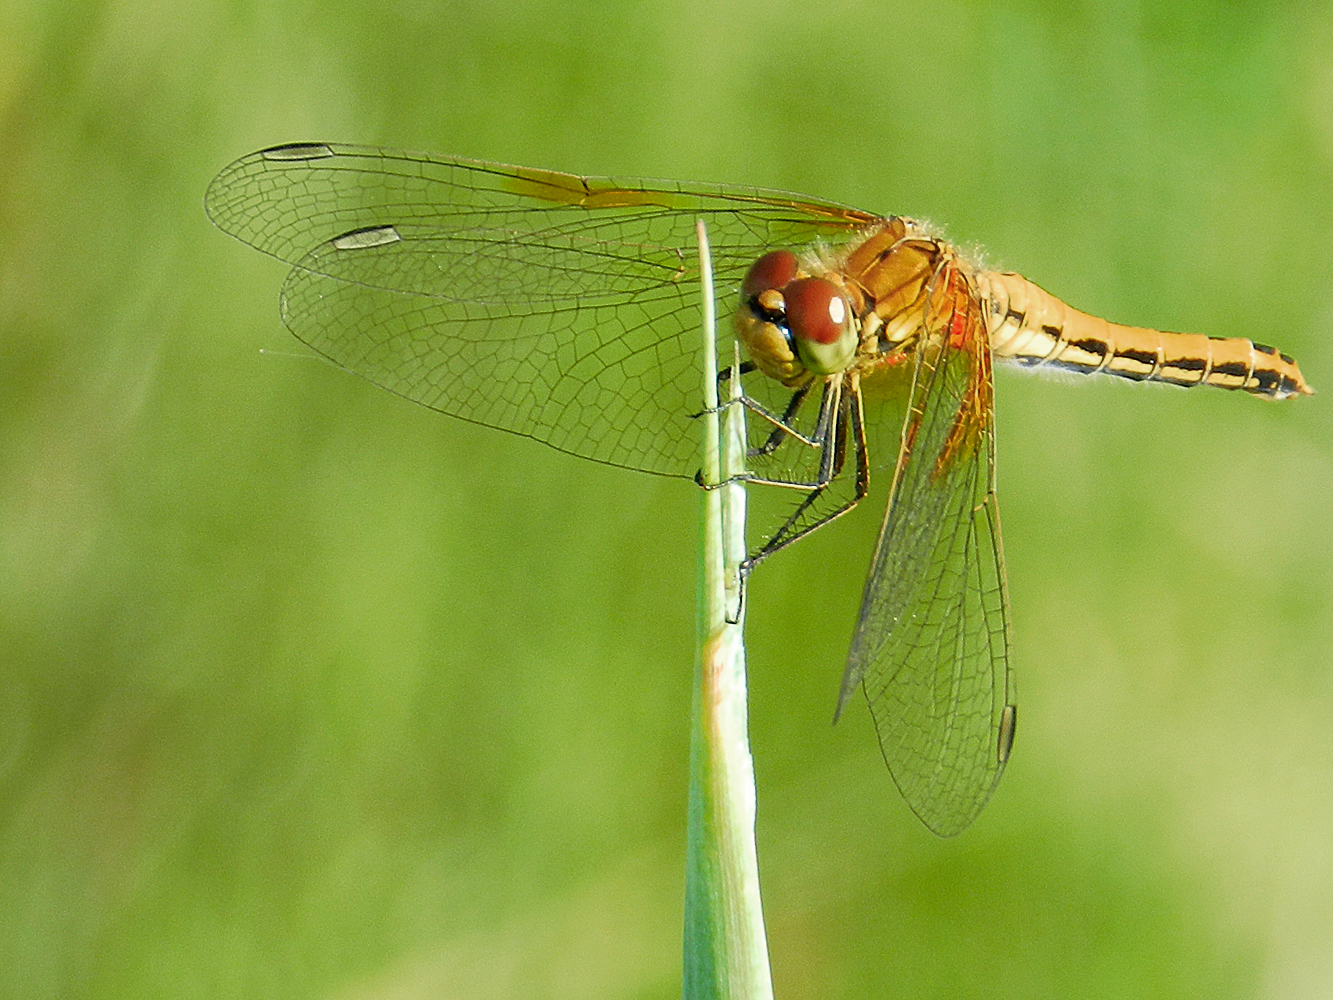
{"points": [[792, 324]]}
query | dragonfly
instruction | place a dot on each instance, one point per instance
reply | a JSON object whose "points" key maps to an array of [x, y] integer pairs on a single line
{"points": [[565, 309]]}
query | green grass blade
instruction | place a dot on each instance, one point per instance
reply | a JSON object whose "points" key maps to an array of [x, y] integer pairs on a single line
{"points": [[725, 952]]}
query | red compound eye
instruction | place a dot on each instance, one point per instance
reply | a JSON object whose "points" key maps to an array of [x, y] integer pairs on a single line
{"points": [[772, 270], [816, 310], [821, 325]]}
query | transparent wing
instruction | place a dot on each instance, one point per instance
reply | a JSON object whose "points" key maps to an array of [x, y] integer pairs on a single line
{"points": [[558, 307], [931, 649]]}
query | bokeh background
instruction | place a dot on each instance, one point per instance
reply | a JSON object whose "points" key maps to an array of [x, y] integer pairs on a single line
{"points": [[306, 691]]}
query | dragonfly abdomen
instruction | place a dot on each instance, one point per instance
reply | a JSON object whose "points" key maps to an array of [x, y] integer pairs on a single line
{"points": [[1032, 327]]}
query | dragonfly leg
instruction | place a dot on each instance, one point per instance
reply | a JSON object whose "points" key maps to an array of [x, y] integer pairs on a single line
{"points": [[851, 420], [824, 438], [782, 429], [724, 377]]}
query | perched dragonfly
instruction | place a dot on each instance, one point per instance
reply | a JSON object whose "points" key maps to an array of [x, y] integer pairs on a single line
{"points": [[565, 309]]}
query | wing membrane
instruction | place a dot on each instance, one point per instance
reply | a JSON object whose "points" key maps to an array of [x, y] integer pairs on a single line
{"points": [[931, 649], [559, 307]]}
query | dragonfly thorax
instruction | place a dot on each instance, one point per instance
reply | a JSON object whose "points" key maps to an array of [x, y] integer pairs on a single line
{"points": [[795, 325]]}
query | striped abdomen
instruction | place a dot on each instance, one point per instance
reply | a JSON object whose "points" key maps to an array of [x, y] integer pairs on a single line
{"points": [[1034, 328]]}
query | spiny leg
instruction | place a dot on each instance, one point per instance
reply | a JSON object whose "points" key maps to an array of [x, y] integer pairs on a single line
{"points": [[831, 461], [818, 439], [782, 431], [725, 375], [782, 427], [851, 419]]}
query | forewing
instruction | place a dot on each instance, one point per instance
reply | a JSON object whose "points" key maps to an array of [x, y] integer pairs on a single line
{"points": [[931, 649], [559, 307]]}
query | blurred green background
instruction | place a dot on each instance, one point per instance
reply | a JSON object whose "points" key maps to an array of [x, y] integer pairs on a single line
{"points": [[310, 692]]}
